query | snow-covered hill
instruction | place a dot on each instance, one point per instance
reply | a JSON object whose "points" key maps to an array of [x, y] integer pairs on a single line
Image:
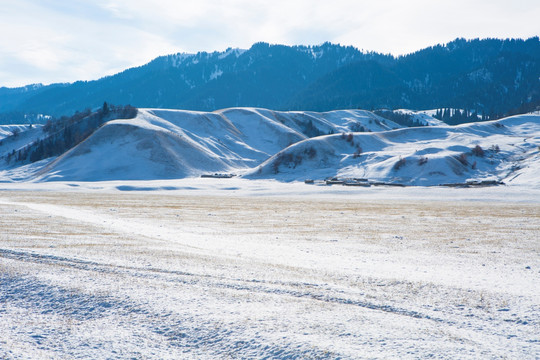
{"points": [[290, 146], [15, 137], [504, 150], [165, 144]]}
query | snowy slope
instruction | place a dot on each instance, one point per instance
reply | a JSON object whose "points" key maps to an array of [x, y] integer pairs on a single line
{"points": [[508, 150], [10, 145], [165, 144], [7, 130], [25, 133]]}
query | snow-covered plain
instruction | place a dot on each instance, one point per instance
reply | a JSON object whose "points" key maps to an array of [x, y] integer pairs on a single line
{"points": [[233, 268]]}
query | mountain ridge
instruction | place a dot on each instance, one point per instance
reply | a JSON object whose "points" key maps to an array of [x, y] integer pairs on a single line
{"points": [[490, 76]]}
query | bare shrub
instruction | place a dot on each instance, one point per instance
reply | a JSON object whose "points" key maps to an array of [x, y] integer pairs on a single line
{"points": [[478, 151], [356, 127], [290, 160], [310, 152], [400, 163], [462, 158], [495, 148]]}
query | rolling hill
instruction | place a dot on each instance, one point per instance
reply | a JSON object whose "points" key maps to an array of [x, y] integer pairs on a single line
{"points": [[505, 150], [168, 144], [290, 146]]}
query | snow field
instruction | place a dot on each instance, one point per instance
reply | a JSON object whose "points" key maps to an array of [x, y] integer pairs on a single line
{"points": [[109, 274]]}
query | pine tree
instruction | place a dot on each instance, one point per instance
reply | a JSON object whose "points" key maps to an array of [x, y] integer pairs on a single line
{"points": [[105, 108]]}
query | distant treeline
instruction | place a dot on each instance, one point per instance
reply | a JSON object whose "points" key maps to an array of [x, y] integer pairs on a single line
{"points": [[399, 118], [66, 132], [458, 116], [526, 107], [453, 116]]}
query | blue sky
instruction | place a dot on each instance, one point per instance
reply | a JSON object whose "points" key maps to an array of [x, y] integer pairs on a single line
{"points": [[62, 41]]}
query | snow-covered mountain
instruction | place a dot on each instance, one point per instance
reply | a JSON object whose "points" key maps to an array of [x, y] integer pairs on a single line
{"points": [[491, 77], [290, 146], [263, 76]]}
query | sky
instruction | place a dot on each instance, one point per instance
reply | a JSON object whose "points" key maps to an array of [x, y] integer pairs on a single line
{"points": [[50, 41]]}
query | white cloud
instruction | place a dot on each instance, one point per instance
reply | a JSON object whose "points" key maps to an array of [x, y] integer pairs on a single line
{"points": [[55, 40]]}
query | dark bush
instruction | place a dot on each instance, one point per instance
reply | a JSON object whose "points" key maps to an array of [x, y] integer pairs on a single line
{"points": [[462, 158], [400, 163], [495, 148], [291, 160], [478, 151], [310, 152], [356, 127]]}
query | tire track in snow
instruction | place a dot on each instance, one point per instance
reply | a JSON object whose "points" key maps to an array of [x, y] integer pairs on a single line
{"points": [[182, 330], [298, 290], [89, 217], [292, 289], [131, 227], [187, 330]]}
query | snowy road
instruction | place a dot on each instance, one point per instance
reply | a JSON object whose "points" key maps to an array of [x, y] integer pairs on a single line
{"points": [[146, 275]]}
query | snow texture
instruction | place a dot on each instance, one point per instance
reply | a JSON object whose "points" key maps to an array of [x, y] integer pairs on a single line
{"points": [[102, 272]]}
